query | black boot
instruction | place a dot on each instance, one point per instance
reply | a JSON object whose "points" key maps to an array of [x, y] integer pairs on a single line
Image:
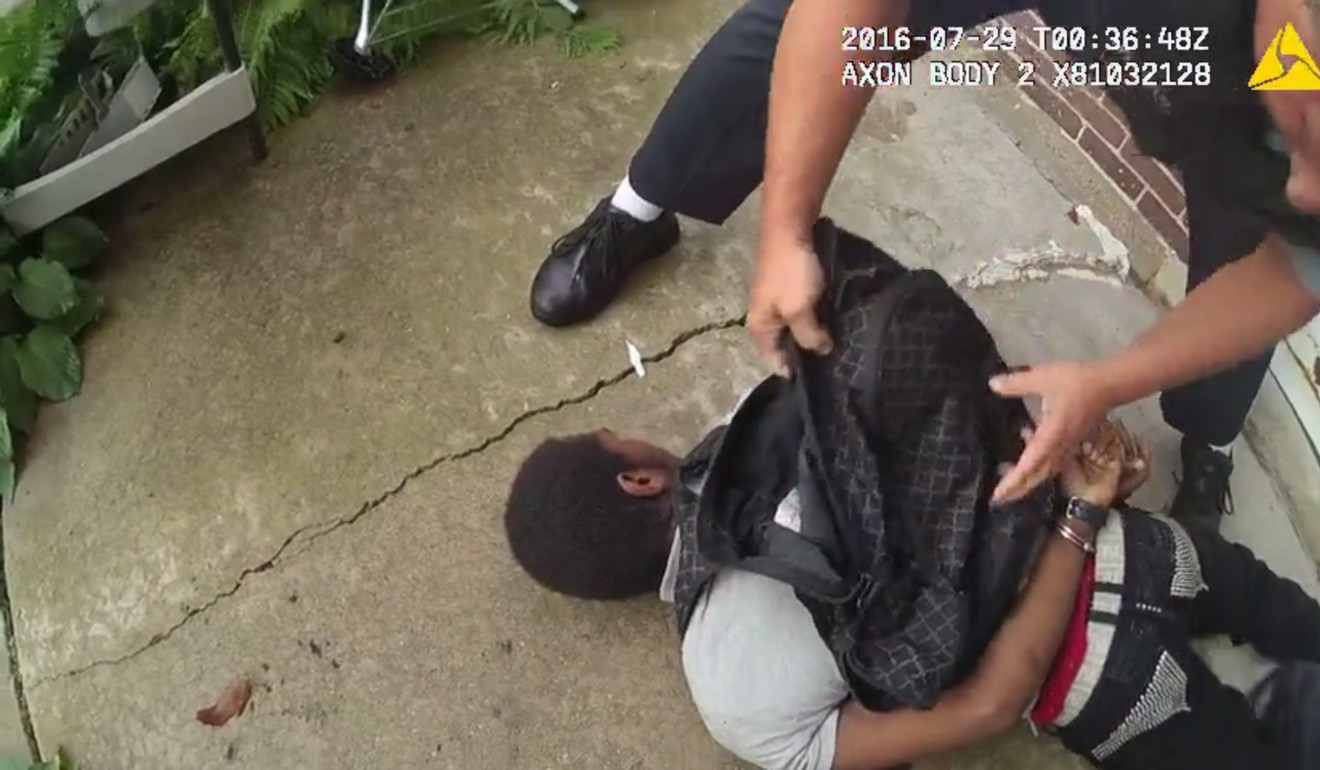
{"points": [[1204, 494], [588, 267]]}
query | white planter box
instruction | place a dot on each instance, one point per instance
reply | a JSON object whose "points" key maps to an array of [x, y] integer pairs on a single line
{"points": [[128, 108], [103, 117], [217, 104]]}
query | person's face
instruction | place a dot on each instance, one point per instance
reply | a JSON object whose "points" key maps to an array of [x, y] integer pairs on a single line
{"points": [[651, 471]]}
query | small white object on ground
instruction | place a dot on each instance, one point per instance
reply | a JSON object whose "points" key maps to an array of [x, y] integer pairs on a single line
{"points": [[635, 358]]}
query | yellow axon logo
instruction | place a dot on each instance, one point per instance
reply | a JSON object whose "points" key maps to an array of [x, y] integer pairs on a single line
{"points": [[1286, 65]]}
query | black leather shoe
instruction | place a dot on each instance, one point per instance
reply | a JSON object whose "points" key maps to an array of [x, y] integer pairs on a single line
{"points": [[588, 267], [1204, 494]]}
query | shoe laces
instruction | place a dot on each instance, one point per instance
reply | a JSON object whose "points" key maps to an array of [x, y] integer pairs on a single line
{"points": [[1207, 475], [598, 236]]}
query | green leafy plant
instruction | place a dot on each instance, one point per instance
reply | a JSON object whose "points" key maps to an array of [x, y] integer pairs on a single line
{"points": [[526, 21], [589, 41], [31, 39], [35, 70], [44, 307], [286, 44]]}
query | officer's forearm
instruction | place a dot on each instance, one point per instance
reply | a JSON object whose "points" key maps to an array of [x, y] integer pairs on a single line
{"points": [[812, 115], [1237, 314]]}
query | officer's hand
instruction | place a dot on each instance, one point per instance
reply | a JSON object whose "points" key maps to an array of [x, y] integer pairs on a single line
{"points": [[1304, 184], [1296, 114], [787, 285], [1072, 405]]}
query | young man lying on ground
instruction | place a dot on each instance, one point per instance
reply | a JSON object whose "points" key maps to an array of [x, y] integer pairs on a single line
{"points": [[1096, 651]]}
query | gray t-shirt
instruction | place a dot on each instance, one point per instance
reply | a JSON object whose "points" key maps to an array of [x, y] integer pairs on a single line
{"points": [[1306, 260], [762, 679]]}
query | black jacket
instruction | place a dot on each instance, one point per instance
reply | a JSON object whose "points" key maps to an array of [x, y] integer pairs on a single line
{"points": [[893, 442]]}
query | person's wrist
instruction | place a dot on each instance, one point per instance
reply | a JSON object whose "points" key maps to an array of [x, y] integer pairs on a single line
{"points": [[786, 217], [1093, 498], [1083, 529], [1110, 380], [780, 232], [1078, 534]]}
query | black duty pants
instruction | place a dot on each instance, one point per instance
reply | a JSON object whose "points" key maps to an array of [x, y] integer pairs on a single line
{"points": [[705, 154]]}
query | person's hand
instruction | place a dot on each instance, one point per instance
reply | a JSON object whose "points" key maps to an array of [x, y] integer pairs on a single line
{"points": [[1072, 405], [1303, 188], [1296, 114], [1136, 464], [1093, 472], [1301, 134], [788, 283]]}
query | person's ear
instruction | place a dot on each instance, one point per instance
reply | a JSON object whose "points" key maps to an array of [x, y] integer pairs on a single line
{"points": [[644, 482]]}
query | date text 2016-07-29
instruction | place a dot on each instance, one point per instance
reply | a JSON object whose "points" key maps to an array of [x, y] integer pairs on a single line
{"points": [[995, 37]]}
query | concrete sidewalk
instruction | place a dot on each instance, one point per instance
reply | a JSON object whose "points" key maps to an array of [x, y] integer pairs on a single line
{"points": [[290, 459]]}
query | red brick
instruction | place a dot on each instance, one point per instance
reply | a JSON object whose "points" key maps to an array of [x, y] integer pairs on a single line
{"points": [[1043, 65], [1159, 179], [1027, 51], [1168, 226], [1111, 163], [1106, 125], [1049, 101], [1108, 104]]}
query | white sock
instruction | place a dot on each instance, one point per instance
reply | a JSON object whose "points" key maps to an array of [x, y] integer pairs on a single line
{"points": [[629, 202], [1225, 450]]}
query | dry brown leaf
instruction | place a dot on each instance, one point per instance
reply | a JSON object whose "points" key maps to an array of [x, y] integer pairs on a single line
{"points": [[232, 702]]}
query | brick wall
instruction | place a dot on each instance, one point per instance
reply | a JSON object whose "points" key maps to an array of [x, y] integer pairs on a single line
{"points": [[1096, 126]]}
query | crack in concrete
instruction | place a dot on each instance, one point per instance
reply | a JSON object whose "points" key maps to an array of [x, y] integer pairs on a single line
{"points": [[15, 670], [312, 532]]}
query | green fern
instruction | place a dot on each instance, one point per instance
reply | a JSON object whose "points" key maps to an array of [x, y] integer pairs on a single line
{"points": [[589, 41], [401, 31], [34, 76], [285, 44], [514, 22], [152, 34], [196, 51], [521, 22], [285, 51], [289, 84], [31, 39]]}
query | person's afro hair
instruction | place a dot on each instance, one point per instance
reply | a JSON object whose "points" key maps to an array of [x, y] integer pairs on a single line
{"points": [[576, 532]]}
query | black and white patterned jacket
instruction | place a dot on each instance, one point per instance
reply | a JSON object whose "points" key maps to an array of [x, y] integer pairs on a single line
{"points": [[892, 442]]}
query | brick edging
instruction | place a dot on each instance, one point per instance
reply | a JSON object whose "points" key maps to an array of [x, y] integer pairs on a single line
{"points": [[1095, 124]]}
